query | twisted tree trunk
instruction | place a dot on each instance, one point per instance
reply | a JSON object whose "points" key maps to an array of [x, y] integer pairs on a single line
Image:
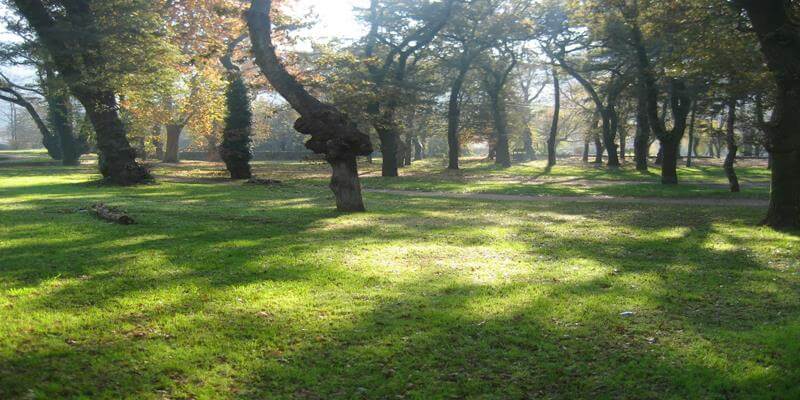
{"points": [[332, 132]]}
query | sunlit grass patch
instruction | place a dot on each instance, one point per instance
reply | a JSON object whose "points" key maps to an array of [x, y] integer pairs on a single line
{"points": [[234, 291]]}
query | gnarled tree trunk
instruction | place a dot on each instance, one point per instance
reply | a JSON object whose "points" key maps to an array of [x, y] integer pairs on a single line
{"points": [[332, 132]]}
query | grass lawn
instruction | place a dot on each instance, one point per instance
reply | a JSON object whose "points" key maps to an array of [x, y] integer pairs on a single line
{"points": [[570, 178], [250, 292]]}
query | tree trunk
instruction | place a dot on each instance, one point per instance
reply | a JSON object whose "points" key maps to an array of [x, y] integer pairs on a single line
{"points": [[389, 141], [332, 132], [158, 144], [173, 143], [419, 153], [60, 119], [551, 140], [692, 144], [641, 142], [117, 159], [609, 134], [345, 185], [453, 119], [660, 155], [730, 140], [784, 197], [669, 164], [407, 150], [527, 143], [598, 150], [585, 155], [501, 150]]}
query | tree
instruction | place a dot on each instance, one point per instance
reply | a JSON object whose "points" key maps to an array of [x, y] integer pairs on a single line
{"points": [[11, 93], [774, 22], [402, 29], [93, 44], [551, 140], [332, 132], [235, 149]]}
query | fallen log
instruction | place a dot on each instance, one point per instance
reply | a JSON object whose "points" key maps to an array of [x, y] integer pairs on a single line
{"points": [[111, 214]]}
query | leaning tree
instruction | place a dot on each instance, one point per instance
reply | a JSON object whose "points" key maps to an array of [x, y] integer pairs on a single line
{"points": [[332, 132]]}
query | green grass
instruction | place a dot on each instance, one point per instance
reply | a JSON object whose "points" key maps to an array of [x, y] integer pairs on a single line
{"points": [[250, 292], [573, 179]]}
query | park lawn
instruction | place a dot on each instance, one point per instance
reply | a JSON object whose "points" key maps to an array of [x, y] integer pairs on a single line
{"points": [[478, 176], [245, 291]]}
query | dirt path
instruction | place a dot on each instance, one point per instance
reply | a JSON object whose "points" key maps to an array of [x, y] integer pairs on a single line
{"points": [[579, 199]]}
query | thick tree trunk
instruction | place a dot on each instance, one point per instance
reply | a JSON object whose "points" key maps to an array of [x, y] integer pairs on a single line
{"points": [[669, 164], [117, 158], [389, 146], [345, 185], [660, 155], [173, 143], [551, 140], [730, 139], [60, 113], [692, 143], [784, 198]]}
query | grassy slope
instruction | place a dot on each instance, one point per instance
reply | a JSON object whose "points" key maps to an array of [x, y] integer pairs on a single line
{"points": [[228, 291]]}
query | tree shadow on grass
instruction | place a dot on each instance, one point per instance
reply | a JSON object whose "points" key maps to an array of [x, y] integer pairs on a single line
{"points": [[206, 301]]}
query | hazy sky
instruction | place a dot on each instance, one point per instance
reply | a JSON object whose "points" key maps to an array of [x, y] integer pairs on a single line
{"points": [[335, 19]]}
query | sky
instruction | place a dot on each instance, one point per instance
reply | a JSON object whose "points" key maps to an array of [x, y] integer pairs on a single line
{"points": [[334, 19]]}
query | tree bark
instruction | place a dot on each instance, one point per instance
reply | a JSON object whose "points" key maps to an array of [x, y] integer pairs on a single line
{"points": [[453, 119], [332, 132], [669, 165], [173, 143], [779, 35], [117, 159], [551, 140], [730, 139]]}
